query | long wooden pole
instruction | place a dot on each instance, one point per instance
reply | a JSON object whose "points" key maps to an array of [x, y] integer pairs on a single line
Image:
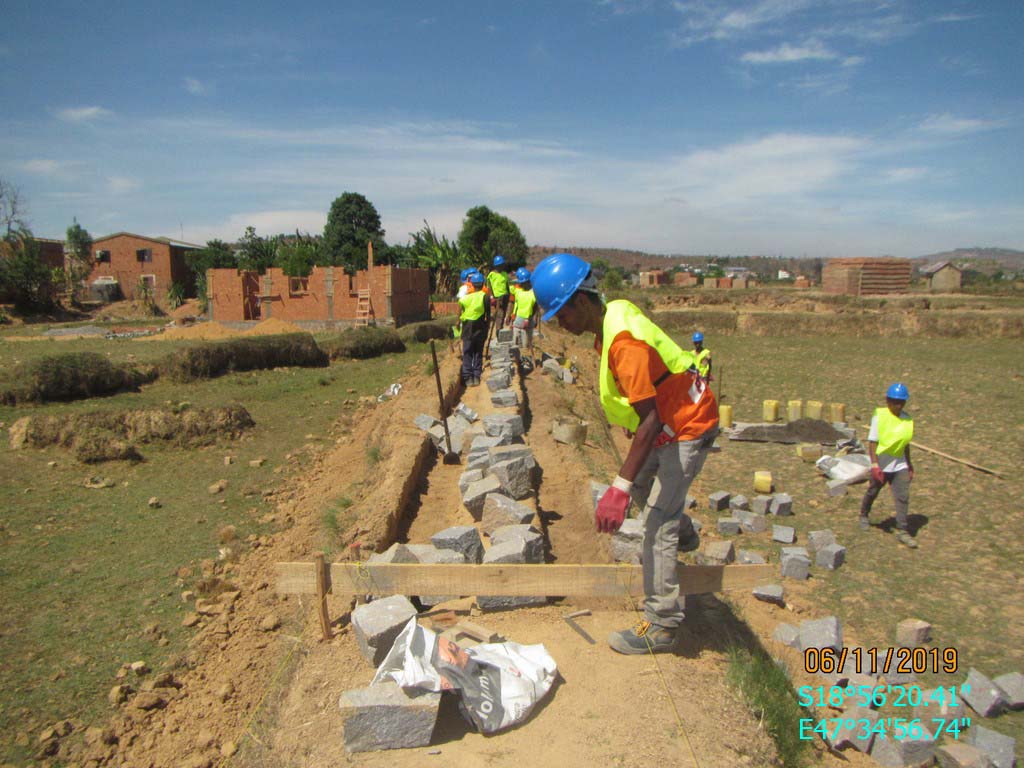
{"points": [[978, 467]]}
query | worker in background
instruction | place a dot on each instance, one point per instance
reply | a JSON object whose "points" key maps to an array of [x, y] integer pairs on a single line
{"points": [[889, 438], [464, 286], [650, 387], [702, 354], [474, 315], [524, 312], [497, 282]]}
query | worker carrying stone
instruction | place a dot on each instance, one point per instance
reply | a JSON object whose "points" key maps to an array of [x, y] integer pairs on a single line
{"points": [[524, 312], [497, 282], [702, 355], [650, 387], [475, 312], [889, 438]]}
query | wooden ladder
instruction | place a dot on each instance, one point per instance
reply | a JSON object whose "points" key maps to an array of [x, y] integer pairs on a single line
{"points": [[364, 307]]}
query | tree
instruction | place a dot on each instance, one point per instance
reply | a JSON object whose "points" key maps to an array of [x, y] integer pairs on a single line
{"points": [[78, 247], [485, 234], [12, 210], [352, 223], [22, 274], [217, 254], [439, 255], [256, 253], [296, 256]]}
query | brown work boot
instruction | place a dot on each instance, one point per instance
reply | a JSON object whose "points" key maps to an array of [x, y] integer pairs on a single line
{"points": [[643, 638]]}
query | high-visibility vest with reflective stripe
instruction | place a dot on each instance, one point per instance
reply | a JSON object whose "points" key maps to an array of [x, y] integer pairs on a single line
{"points": [[526, 302], [472, 306], [702, 365], [894, 432], [622, 316], [498, 282]]}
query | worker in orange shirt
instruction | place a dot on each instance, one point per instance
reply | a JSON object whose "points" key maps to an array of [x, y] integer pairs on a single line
{"points": [[650, 387]]}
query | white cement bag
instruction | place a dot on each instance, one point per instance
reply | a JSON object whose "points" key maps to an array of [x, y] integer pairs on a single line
{"points": [[499, 683], [852, 468]]}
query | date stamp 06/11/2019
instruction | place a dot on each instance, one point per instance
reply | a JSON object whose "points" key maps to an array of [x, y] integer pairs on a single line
{"points": [[874, 662]]}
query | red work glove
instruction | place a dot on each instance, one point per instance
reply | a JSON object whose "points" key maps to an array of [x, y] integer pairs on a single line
{"points": [[662, 439], [611, 509], [877, 475]]}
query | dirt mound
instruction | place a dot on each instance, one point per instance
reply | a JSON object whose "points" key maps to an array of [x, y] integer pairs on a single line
{"points": [[201, 331], [188, 308], [271, 326], [101, 436]]}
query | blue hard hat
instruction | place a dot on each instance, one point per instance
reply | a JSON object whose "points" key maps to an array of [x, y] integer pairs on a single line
{"points": [[556, 279], [476, 278], [499, 260], [523, 275], [698, 336], [897, 391], [464, 274]]}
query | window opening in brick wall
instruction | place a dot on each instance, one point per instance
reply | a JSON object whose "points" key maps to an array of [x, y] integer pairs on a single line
{"points": [[144, 254], [103, 257], [298, 285]]}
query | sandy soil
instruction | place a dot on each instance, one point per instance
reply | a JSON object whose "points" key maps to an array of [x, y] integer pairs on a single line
{"points": [[259, 687]]}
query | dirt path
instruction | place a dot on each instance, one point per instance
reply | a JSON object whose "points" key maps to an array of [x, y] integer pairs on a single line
{"points": [[253, 694]]}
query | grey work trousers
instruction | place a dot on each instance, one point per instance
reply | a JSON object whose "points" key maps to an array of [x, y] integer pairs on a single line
{"points": [[899, 482], [660, 489]]}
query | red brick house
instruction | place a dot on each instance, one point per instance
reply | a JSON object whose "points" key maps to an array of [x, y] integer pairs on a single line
{"points": [[865, 276], [128, 259]]}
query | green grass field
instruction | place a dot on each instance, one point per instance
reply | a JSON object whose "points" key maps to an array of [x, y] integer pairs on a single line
{"points": [[967, 400], [87, 573]]}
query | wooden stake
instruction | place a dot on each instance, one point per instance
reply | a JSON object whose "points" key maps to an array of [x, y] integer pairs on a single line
{"points": [[978, 467], [323, 582]]}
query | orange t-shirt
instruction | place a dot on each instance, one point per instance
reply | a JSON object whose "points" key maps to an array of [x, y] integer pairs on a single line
{"points": [[684, 401]]}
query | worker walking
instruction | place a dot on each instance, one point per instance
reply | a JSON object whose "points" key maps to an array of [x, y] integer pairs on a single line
{"points": [[473, 319], [524, 312], [649, 386], [703, 355], [889, 438], [497, 282]]}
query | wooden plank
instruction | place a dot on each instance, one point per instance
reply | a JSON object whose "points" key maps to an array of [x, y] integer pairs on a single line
{"points": [[323, 586], [514, 580]]}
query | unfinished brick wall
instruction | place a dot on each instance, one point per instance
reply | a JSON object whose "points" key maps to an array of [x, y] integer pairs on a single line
{"points": [[396, 295]]}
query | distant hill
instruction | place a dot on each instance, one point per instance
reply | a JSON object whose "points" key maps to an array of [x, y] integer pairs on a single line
{"points": [[983, 259]]}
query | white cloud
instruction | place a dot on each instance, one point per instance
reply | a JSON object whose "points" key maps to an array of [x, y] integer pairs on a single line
{"points": [[787, 53], [42, 166], [853, 61], [904, 175], [715, 20], [954, 18], [952, 126], [82, 114], [119, 185], [195, 87], [272, 222]]}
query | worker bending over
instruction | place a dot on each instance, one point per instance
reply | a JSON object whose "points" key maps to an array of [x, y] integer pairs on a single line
{"points": [[889, 438], [649, 386]]}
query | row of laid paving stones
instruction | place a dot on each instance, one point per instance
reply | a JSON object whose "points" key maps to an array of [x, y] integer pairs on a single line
{"points": [[499, 477], [857, 693]]}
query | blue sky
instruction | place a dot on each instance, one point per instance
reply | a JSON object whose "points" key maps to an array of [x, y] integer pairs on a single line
{"points": [[817, 127]]}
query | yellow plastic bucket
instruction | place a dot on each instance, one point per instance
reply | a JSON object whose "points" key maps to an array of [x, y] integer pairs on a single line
{"points": [[837, 412], [770, 410], [795, 411], [725, 416], [813, 409], [763, 482]]}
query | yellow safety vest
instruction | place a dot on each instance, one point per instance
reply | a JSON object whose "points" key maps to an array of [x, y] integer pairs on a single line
{"points": [[498, 282], [702, 366], [472, 306], [525, 304], [620, 316], [894, 432]]}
